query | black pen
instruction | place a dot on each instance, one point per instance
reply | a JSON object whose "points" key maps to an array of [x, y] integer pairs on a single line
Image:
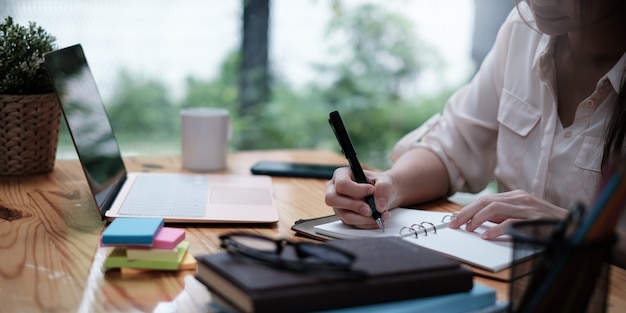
{"points": [[348, 151]]}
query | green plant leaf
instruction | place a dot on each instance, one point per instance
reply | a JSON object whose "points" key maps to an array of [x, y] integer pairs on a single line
{"points": [[21, 50]]}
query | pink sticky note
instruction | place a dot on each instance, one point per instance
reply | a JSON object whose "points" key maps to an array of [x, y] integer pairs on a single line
{"points": [[168, 238]]}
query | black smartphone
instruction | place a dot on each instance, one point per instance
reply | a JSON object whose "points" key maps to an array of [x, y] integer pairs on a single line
{"points": [[294, 169]]}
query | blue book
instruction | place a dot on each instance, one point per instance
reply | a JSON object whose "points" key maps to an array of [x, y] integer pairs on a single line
{"points": [[131, 231], [480, 297]]}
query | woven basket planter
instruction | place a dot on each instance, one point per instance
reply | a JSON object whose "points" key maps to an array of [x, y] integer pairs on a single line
{"points": [[29, 133]]}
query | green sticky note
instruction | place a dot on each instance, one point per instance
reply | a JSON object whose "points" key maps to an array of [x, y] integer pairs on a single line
{"points": [[118, 259]]}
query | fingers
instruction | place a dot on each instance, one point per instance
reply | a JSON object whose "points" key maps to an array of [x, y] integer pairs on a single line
{"points": [[357, 220], [342, 191], [346, 198], [504, 208], [345, 202], [480, 211], [503, 214], [345, 184], [497, 230], [345, 194], [384, 194]]}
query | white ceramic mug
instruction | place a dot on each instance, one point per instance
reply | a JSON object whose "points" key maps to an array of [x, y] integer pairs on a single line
{"points": [[204, 138]]}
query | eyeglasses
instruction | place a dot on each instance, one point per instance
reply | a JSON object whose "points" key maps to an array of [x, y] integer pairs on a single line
{"points": [[304, 257]]}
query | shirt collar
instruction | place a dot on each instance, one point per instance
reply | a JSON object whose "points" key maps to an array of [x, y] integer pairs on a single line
{"points": [[616, 74], [544, 60]]}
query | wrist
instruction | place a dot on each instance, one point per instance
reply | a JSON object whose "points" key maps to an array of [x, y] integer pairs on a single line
{"points": [[418, 176]]}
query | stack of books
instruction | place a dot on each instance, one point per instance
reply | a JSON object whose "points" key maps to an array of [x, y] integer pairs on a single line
{"points": [[145, 244], [398, 273]]}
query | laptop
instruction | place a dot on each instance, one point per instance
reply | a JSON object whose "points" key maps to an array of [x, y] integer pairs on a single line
{"points": [[175, 197]]}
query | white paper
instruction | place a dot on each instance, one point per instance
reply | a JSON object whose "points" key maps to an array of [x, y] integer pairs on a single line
{"points": [[469, 247]]}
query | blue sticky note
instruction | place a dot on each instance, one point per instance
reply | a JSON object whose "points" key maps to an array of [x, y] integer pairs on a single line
{"points": [[131, 231]]}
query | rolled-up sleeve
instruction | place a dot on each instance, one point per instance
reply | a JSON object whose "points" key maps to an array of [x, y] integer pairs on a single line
{"points": [[465, 136]]}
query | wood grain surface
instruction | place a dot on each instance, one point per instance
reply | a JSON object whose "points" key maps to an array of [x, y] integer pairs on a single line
{"points": [[50, 260]]}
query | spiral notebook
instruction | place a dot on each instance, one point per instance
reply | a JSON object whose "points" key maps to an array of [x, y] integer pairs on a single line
{"points": [[429, 229]]}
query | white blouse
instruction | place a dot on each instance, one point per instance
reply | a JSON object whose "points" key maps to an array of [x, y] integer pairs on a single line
{"points": [[504, 124]]}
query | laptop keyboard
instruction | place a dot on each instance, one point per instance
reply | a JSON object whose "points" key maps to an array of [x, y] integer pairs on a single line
{"points": [[167, 195]]}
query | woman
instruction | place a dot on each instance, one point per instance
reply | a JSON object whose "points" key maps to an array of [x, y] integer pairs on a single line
{"points": [[541, 116]]}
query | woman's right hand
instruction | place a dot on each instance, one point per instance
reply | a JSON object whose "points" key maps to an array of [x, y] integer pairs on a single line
{"points": [[345, 196]]}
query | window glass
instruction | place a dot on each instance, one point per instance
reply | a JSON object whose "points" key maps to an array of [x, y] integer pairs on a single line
{"points": [[386, 65]]}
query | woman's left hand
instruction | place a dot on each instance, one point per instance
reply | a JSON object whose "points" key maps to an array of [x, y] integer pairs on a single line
{"points": [[505, 208]]}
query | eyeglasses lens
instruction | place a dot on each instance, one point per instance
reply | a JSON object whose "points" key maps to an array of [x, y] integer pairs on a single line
{"points": [[259, 244]]}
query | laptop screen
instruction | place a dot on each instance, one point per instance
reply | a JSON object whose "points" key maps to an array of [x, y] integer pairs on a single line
{"points": [[87, 122]]}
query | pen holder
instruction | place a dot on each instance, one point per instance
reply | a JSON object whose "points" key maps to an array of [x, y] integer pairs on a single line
{"points": [[560, 277]]}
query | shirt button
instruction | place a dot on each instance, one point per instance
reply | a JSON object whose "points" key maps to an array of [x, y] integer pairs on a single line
{"points": [[589, 103], [567, 134]]}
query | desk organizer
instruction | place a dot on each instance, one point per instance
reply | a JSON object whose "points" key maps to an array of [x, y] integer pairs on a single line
{"points": [[562, 277]]}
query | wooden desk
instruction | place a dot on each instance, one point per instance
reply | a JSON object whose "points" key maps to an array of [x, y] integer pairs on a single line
{"points": [[49, 232]]}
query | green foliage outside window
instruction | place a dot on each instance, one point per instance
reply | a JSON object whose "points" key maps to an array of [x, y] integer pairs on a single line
{"points": [[380, 58]]}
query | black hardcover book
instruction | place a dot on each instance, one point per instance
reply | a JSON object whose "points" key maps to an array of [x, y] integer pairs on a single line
{"points": [[396, 270]]}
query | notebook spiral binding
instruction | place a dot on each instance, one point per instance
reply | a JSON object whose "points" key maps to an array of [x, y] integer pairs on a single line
{"points": [[417, 228]]}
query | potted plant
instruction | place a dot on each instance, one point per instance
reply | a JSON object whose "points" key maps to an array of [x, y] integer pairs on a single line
{"points": [[29, 110]]}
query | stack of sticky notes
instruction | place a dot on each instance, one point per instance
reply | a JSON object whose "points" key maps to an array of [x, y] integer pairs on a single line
{"points": [[144, 243]]}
